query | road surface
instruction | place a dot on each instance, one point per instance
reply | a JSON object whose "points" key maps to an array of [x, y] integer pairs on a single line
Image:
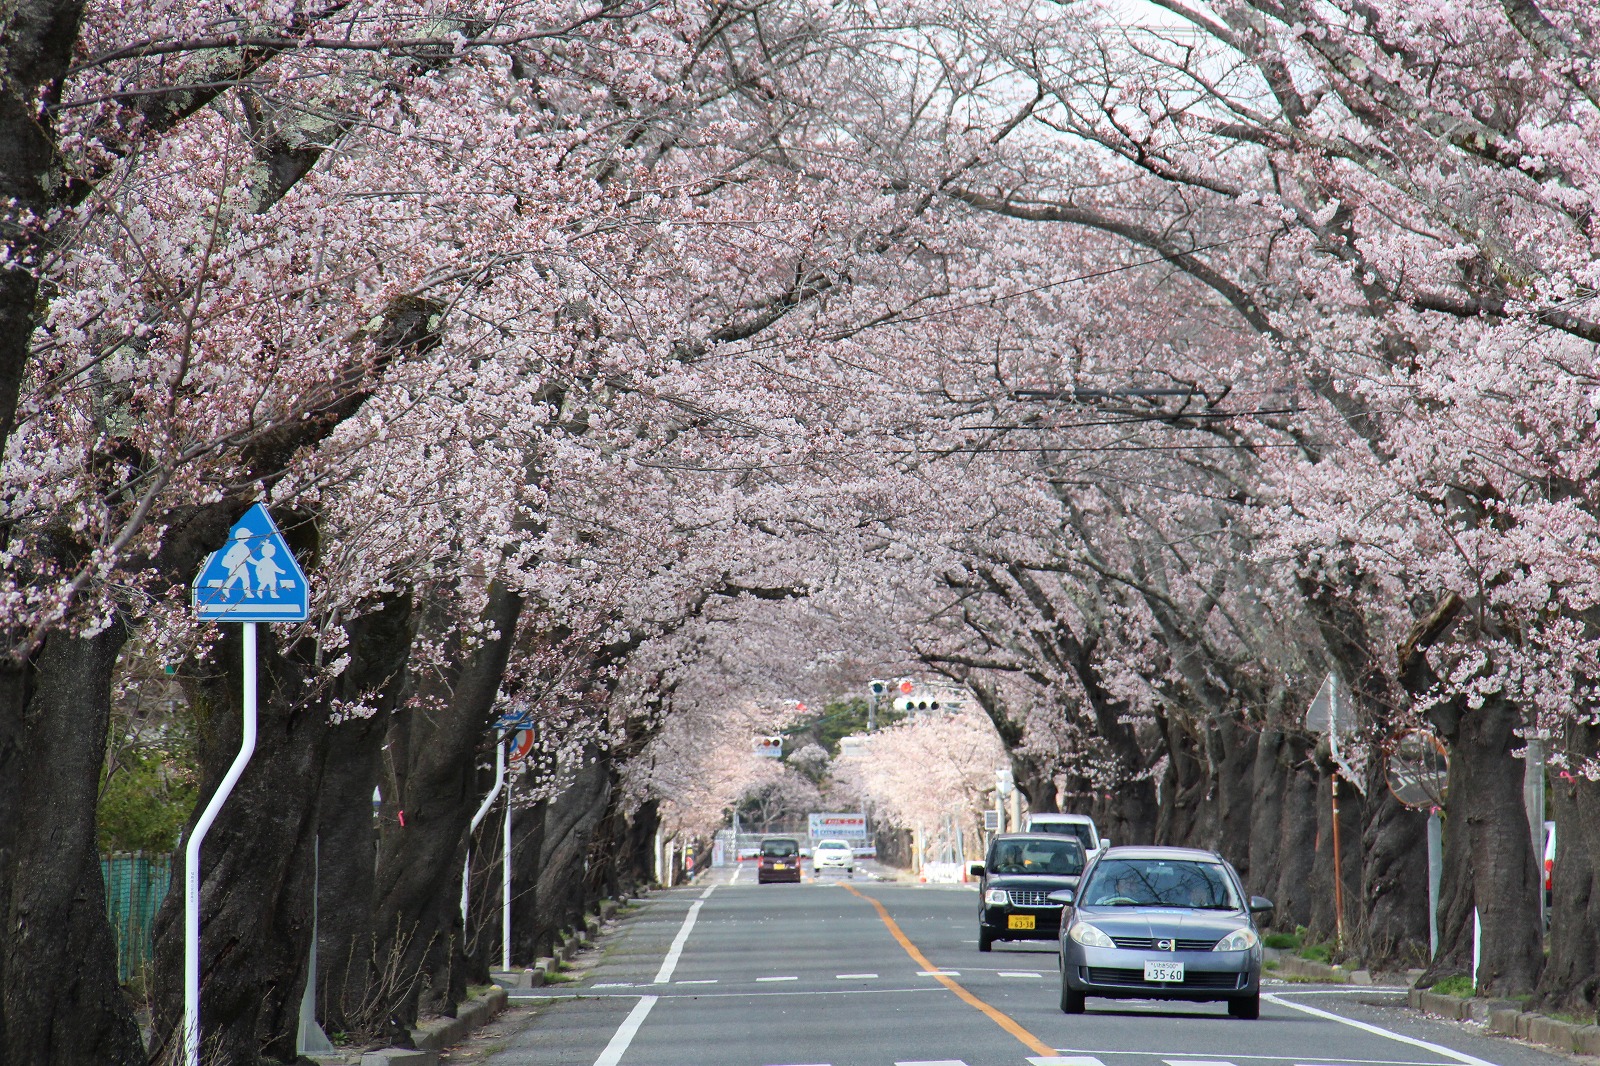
{"points": [[860, 972]]}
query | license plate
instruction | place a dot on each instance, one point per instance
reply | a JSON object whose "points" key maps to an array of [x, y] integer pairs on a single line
{"points": [[779, 866], [1164, 971], [1020, 921]]}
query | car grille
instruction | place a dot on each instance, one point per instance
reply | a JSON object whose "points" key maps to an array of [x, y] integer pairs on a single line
{"points": [[1146, 943], [1031, 897], [1105, 975]]}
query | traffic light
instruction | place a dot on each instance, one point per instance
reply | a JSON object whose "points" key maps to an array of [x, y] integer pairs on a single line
{"points": [[879, 687], [770, 747]]}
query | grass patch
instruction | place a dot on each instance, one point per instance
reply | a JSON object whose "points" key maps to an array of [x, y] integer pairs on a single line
{"points": [[553, 977], [1460, 985], [1282, 941], [1317, 953], [1271, 964]]}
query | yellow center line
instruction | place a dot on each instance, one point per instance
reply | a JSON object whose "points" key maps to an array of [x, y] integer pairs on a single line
{"points": [[999, 1017]]}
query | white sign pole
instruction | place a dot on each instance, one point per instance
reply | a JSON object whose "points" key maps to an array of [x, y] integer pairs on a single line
{"points": [[477, 820], [191, 857], [505, 891]]}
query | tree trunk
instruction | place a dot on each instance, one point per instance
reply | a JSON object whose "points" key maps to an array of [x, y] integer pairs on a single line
{"points": [[374, 678], [434, 745], [59, 1000], [1035, 779], [256, 862], [1284, 828], [1393, 929], [1183, 790], [1488, 854], [1571, 979], [1232, 755]]}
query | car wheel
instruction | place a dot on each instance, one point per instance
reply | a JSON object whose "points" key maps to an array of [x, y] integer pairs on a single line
{"points": [[984, 939], [1071, 1002], [1248, 1007]]}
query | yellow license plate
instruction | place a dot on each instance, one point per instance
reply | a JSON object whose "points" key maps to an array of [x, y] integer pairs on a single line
{"points": [[1020, 921], [779, 866]]}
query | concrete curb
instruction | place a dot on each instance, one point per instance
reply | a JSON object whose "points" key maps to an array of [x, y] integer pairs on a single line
{"points": [[1507, 1018], [438, 1034]]}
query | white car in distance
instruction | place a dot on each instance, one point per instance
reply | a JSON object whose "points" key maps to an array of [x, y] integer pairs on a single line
{"points": [[833, 855]]}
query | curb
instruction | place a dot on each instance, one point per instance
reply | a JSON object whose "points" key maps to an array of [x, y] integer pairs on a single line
{"points": [[437, 1035], [1507, 1018]]}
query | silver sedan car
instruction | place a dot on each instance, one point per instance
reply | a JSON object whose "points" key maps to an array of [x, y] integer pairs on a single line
{"points": [[1161, 923]]}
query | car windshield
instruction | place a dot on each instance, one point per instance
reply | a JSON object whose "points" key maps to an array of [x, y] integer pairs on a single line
{"points": [[1071, 829], [834, 845], [779, 849], [1160, 883], [1062, 857]]}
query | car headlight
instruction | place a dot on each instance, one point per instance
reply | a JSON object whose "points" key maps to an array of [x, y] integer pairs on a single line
{"points": [[1089, 936], [996, 896], [1238, 940]]}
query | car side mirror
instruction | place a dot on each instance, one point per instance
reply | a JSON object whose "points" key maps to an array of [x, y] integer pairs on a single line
{"points": [[1261, 905], [1105, 844], [1063, 896], [975, 869]]}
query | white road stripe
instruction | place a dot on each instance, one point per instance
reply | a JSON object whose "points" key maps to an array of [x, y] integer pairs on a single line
{"points": [[1019, 973], [670, 963], [625, 1033], [737, 870], [1268, 1058], [707, 893], [777, 978], [697, 981], [613, 984], [1067, 1060], [938, 973], [1437, 1049], [853, 976], [933, 1062], [1194, 1062]]}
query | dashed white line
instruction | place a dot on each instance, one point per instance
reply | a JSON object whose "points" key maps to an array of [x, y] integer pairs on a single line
{"points": [[1066, 1060], [938, 973], [777, 979], [625, 1033], [854, 976], [670, 963], [933, 1062], [1019, 973]]}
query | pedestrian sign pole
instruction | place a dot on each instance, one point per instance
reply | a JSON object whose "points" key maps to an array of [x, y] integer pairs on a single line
{"points": [[253, 578]]}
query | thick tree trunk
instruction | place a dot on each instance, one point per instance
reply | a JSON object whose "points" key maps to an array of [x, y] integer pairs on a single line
{"points": [[1183, 821], [59, 1000], [346, 831], [1571, 979], [1035, 779], [1232, 749], [1283, 827], [434, 745], [1488, 854], [1393, 929], [570, 822], [255, 863]]}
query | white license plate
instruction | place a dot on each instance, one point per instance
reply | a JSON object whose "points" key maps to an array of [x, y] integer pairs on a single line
{"points": [[1164, 971]]}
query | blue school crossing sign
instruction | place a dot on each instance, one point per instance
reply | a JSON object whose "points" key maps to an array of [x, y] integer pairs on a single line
{"points": [[252, 578]]}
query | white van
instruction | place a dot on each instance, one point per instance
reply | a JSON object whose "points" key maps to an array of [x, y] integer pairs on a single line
{"points": [[1078, 825]]}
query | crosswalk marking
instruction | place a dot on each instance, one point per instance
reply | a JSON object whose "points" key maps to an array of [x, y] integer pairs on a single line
{"points": [[1066, 1060]]}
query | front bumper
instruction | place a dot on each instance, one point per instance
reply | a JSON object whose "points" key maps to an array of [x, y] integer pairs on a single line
{"points": [[996, 921], [1118, 973]]}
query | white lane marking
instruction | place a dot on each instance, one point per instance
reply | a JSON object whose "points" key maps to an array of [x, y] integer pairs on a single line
{"points": [[1270, 1058], [938, 973], [777, 979], [1194, 1062], [670, 963], [613, 984], [737, 870], [1066, 1060], [933, 1062], [1437, 1049], [625, 1033], [1019, 973], [707, 893], [854, 976], [696, 981], [536, 997]]}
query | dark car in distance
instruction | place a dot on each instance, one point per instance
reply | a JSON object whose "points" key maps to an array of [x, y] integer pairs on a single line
{"points": [[1162, 923], [1015, 882], [779, 861]]}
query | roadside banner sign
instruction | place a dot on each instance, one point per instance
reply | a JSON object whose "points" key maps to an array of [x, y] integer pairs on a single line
{"points": [[843, 826], [253, 577]]}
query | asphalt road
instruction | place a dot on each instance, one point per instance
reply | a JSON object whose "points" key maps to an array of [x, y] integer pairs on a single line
{"points": [[816, 975]]}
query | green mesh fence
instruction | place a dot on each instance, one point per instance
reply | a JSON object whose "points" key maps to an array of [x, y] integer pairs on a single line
{"points": [[136, 883]]}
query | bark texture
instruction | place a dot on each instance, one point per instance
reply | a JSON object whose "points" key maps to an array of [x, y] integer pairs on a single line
{"points": [[1571, 979], [60, 1004]]}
